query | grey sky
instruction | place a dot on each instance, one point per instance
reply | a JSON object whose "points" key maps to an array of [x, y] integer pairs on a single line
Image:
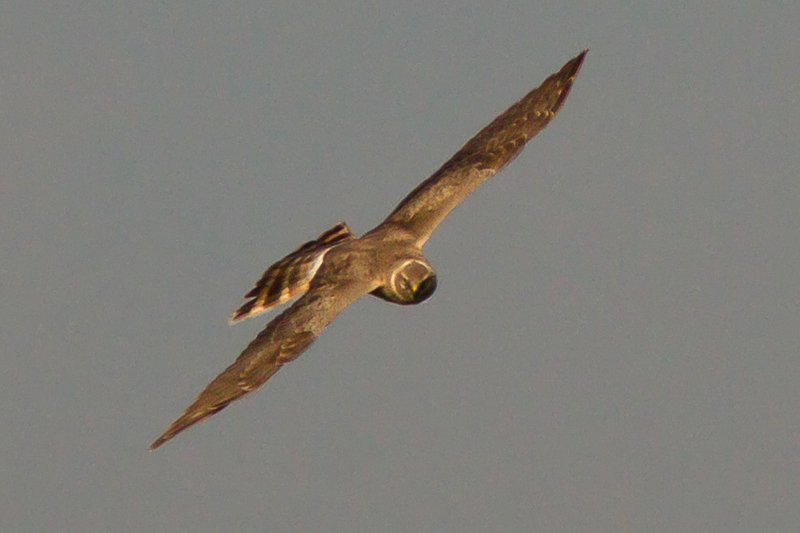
{"points": [[613, 346]]}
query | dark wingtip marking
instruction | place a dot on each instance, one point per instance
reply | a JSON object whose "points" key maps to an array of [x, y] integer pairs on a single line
{"points": [[567, 75], [187, 420], [577, 62]]}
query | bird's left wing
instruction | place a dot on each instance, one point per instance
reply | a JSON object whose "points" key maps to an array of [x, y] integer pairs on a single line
{"points": [[283, 340], [484, 155]]}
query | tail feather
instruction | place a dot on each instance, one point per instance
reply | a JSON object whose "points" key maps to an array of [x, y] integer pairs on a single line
{"points": [[290, 277]]}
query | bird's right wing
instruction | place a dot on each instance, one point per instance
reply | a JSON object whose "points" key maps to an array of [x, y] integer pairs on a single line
{"points": [[283, 340]]}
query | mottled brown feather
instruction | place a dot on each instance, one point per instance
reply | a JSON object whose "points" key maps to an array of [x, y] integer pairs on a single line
{"points": [[290, 276], [282, 341], [336, 268], [484, 155]]}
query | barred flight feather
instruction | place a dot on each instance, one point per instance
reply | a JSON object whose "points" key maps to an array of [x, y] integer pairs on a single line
{"points": [[291, 276]]}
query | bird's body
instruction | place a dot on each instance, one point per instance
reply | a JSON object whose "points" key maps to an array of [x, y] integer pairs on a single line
{"points": [[337, 268]]}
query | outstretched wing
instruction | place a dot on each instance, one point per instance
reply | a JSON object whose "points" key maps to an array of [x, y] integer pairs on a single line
{"points": [[291, 276], [491, 149], [283, 340]]}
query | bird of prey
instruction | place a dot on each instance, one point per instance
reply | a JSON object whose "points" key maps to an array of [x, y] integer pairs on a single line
{"points": [[337, 268]]}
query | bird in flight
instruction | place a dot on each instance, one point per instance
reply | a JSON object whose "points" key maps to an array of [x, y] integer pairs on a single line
{"points": [[337, 268]]}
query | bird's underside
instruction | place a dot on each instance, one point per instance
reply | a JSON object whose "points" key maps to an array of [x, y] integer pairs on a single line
{"points": [[332, 271]]}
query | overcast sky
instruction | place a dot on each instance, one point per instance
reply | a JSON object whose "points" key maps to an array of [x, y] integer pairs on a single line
{"points": [[613, 345]]}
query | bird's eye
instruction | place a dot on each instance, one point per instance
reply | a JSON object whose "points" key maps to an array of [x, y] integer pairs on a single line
{"points": [[425, 289]]}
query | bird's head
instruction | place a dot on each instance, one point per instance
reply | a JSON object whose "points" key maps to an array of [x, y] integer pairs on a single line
{"points": [[411, 281]]}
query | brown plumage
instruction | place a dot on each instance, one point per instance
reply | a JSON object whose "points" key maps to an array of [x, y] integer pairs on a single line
{"points": [[337, 268], [291, 275]]}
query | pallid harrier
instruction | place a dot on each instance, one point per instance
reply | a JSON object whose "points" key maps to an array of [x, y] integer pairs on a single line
{"points": [[337, 268]]}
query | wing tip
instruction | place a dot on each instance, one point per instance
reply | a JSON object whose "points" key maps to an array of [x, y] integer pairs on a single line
{"points": [[193, 415], [167, 435], [173, 430], [563, 80], [573, 66]]}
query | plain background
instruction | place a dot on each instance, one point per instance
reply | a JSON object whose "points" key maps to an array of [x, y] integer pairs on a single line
{"points": [[613, 346]]}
